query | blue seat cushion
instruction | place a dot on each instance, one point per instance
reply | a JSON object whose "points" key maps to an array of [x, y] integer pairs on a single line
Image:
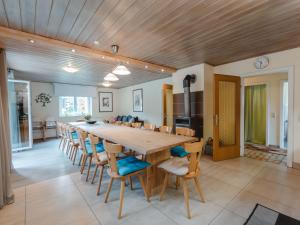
{"points": [[178, 151], [74, 135], [99, 147], [130, 165]]}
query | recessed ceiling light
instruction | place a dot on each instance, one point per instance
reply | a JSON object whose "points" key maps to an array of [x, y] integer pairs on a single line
{"points": [[121, 70], [31, 41], [73, 50], [146, 67], [162, 70], [70, 69], [127, 62], [103, 57], [111, 77], [96, 42], [106, 84]]}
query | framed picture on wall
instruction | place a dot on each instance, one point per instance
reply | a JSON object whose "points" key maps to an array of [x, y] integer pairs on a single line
{"points": [[105, 101], [137, 96]]}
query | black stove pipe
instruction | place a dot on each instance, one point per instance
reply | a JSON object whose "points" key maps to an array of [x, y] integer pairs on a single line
{"points": [[187, 93]]}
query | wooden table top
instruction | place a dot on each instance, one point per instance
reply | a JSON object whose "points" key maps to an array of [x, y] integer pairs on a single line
{"points": [[142, 141]]}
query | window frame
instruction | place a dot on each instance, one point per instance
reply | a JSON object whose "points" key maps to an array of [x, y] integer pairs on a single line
{"points": [[75, 113]]}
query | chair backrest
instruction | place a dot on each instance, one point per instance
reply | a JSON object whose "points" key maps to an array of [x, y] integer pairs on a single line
{"points": [[112, 150], [149, 126], [136, 125], [185, 131], [94, 140], [165, 129], [195, 150], [82, 135]]}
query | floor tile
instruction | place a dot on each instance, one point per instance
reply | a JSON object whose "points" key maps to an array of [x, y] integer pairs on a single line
{"points": [[227, 217]]}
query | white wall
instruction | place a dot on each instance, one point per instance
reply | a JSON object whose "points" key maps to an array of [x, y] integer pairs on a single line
{"points": [[284, 59], [51, 109], [273, 82], [152, 101], [178, 76]]}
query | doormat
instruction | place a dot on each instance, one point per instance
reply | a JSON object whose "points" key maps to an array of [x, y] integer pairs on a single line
{"points": [[262, 215], [265, 156]]}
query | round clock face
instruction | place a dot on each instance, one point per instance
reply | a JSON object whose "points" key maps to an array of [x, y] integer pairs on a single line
{"points": [[261, 62]]}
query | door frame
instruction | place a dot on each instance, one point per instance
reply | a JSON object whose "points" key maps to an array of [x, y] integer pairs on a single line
{"points": [[29, 115], [291, 76], [281, 112]]}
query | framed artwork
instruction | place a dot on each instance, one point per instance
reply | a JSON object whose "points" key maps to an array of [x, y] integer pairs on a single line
{"points": [[137, 96], [105, 101]]}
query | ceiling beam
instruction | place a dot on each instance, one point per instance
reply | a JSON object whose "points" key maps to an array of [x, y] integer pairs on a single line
{"points": [[40, 41]]}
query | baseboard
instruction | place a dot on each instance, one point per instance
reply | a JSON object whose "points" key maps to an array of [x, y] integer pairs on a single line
{"points": [[296, 166]]}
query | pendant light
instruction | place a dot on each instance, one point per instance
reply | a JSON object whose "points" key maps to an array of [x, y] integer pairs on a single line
{"points": [[111, 77], [119, 69], [106, 84]]}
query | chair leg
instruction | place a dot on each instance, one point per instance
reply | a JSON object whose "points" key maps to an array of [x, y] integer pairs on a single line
{"points": [[162, 192], [71, 152], [80, 160], [108, 189], [121, 197], [100, 179], [89, 168], [61, 140], [199, 189], [95, 172], [186, 197], [177, 182], [131, 184], [83, 163], [141, 179], [75, 154], [64, 145]]}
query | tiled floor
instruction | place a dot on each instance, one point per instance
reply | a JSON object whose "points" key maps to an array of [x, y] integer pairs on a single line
{"points": [[232, 188]]}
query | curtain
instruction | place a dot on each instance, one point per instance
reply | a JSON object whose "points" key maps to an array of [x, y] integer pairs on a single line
{"points": [[255, 114], [6, 194]]}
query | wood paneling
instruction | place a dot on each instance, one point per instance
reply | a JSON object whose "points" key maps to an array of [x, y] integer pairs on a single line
{"points": [[175, 33]]}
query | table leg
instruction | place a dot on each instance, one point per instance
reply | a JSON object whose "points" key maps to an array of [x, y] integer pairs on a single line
{"points": [[149, 183]]}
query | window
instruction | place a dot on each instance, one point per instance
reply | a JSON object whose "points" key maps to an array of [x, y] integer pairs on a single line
{"points": [[74, 106]]}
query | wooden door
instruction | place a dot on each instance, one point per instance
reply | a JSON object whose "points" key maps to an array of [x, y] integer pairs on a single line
{"points": [[168, 105], [227, 105]]}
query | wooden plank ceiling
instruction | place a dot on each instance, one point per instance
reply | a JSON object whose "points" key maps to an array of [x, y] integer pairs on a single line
{"points": [[174, 33]]}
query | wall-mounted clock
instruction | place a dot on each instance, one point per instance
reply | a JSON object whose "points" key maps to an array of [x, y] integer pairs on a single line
{"points": [[261, 62]]}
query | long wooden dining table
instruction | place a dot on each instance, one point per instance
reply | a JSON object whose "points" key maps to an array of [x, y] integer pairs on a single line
{"points": [[154, 145]]}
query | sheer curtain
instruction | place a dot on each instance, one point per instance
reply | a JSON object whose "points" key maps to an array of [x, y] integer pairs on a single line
{"points": [[255, 114], [6, 194]]}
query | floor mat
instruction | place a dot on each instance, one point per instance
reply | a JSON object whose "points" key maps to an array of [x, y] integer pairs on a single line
{"points": [[265, 156], [262, 215]]}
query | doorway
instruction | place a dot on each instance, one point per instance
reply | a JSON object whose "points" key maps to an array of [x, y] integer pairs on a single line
{"points": [[168, 105], [266, 117]]}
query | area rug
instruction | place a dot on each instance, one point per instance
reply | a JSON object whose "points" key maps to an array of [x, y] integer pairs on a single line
{"points": [[263, 148], [262, 215], [265, 156]]}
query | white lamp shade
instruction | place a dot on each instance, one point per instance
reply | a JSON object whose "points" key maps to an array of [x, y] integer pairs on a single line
{"points": [[106, 84], [111, 77], [121, 70]]}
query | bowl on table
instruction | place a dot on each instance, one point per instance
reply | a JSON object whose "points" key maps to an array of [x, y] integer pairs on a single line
{"points": [[91, 121]]}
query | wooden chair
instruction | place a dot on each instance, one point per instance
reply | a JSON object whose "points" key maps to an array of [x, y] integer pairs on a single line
{"points": [[136, 125], [85, 154], [123, 169], [74, 142], [100, 159], [186, 169], [149, 126], [185, 131], [165, 129]]}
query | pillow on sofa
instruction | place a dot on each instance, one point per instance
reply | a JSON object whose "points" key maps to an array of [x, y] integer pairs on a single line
{"points": [[119, 118], [129, 118], [124, 119]]}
